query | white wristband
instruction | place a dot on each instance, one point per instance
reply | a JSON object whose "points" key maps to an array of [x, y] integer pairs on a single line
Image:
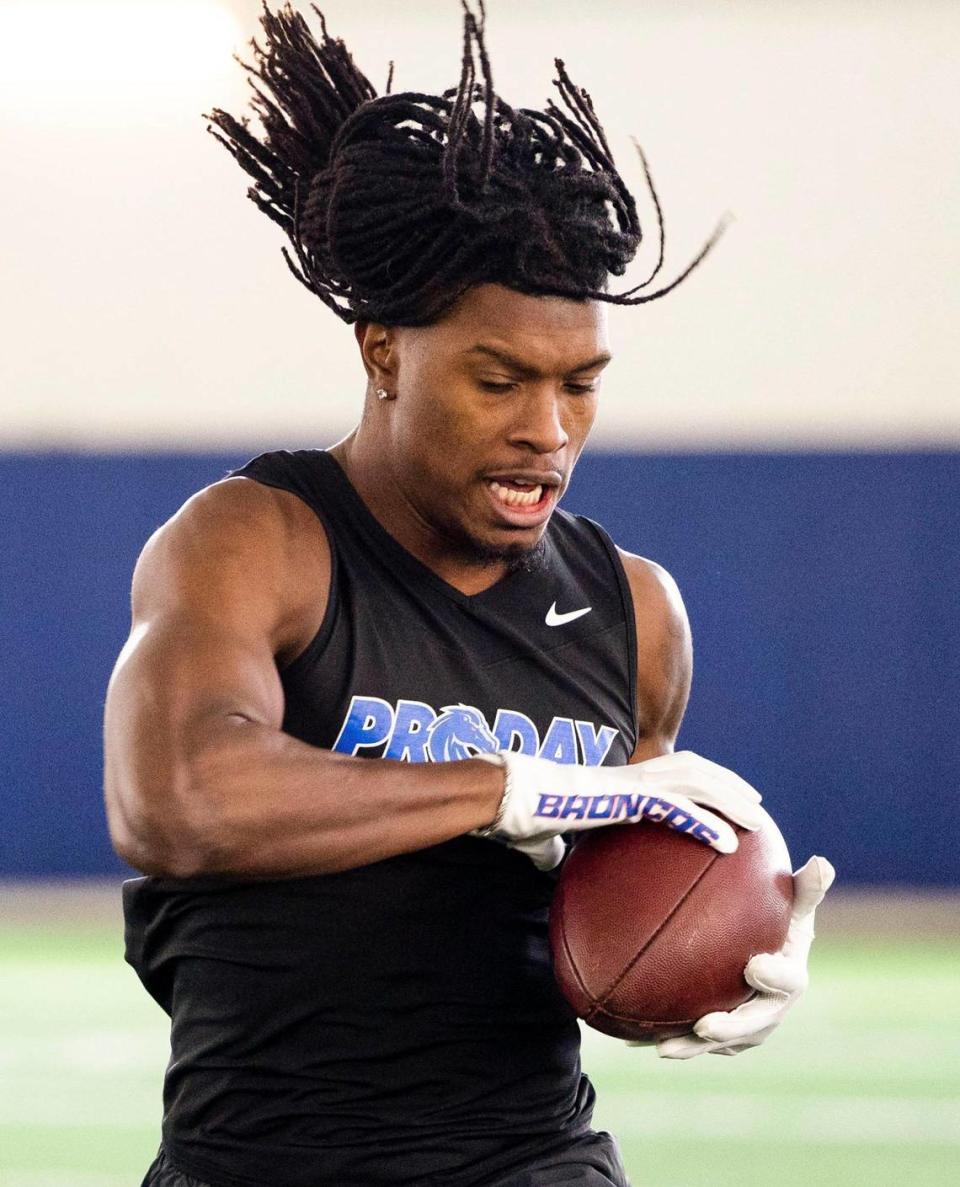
{"points": [[500, 760]]}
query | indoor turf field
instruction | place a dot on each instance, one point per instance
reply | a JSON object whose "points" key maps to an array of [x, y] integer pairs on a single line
{"points": [[861, 1087]]}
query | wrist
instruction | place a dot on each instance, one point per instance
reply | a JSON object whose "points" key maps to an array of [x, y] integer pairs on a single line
{"points": [[497, 760]]}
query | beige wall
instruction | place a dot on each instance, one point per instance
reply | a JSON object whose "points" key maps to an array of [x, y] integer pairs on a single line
{"points": [[144, 300]]}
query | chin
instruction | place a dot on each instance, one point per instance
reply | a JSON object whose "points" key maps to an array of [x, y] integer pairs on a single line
{"points": [[517, 556]]}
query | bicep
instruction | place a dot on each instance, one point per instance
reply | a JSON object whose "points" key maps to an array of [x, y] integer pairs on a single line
{"points": [[179, 671], [209, 617], [209, 607], [664, 656]]}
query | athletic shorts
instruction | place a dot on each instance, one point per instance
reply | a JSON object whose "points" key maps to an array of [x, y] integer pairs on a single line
{"points": [[592, 1160]]}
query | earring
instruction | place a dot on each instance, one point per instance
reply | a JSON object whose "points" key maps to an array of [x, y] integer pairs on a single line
{"points": [[383, 394]]}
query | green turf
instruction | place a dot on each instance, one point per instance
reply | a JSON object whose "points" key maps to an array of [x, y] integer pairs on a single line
{"points": [[861, 1086]]}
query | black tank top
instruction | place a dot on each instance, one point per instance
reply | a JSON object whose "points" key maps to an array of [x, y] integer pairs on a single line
{"points": [[397, 1023]]}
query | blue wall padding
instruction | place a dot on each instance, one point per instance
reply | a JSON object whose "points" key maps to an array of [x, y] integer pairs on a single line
{"points": [[823, 589]]}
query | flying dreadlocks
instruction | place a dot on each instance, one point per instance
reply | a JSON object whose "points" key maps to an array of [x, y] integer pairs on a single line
{"points": [[396, 205]]}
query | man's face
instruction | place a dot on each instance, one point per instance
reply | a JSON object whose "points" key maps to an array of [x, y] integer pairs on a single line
{"points": [[494, 405]]}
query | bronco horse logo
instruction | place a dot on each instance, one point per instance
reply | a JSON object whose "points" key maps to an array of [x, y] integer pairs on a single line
{"points": [[460, 731]]}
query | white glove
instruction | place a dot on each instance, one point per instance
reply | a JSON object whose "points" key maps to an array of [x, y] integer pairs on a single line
{"points": [[546, 853], [542, 799], [779, 978]]}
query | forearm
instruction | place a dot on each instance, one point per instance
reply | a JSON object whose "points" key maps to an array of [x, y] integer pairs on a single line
{"points": [[256, 802]]}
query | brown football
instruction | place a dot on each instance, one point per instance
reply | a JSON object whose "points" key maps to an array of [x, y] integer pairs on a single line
{"points": [[651, 930]]}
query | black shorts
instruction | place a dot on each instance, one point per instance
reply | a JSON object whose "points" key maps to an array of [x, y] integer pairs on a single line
{"points": [[591, 1160]]}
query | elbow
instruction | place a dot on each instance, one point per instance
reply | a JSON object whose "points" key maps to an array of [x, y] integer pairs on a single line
{"points": [[171, 830], [162, 852], [163, 849]]}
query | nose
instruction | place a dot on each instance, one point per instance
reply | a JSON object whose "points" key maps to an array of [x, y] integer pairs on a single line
{"points": [[538, 424]]}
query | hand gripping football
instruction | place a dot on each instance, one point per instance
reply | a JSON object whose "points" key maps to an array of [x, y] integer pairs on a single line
{"points": [[651, 931]]}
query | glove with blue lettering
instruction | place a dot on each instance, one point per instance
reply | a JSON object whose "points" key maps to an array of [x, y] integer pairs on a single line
{"points": [[779, 978], [542, 799]]}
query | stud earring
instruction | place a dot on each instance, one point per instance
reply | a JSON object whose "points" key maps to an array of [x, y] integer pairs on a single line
{"points": [[383, 394]]}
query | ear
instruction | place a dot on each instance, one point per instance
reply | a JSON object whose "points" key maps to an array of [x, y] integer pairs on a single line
{"points": [[378, 350]]}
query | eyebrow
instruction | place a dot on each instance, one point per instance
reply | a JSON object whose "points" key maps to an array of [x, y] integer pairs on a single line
{"points": [[521, 368]]}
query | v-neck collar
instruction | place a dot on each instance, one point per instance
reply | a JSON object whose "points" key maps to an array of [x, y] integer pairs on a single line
{"points": [[392, 547]]}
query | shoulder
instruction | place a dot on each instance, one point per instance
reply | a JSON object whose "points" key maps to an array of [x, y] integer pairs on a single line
{"points": [[656, 597], [223, 524], [238, 550]]}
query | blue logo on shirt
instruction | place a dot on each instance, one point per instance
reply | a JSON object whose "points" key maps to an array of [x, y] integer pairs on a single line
{"points": [[412, 731]]}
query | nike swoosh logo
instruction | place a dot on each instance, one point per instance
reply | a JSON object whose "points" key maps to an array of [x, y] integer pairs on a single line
{"points": [[555, 619]]}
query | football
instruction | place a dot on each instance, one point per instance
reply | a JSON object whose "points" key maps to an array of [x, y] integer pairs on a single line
{"points": [[650, 930]]}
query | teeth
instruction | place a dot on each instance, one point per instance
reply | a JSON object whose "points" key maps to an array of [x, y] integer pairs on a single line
{"points": [[517, 498]]}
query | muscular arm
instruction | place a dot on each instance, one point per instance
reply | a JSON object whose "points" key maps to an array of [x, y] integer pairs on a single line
{"points": [[200, 778], [664, 656]]}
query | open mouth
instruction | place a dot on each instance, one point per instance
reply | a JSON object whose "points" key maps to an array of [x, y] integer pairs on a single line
{"points": [[517, 494], [522, 496]]}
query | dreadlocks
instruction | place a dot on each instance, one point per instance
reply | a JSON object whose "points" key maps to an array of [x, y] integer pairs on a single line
{"points": [[396, 205]]}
